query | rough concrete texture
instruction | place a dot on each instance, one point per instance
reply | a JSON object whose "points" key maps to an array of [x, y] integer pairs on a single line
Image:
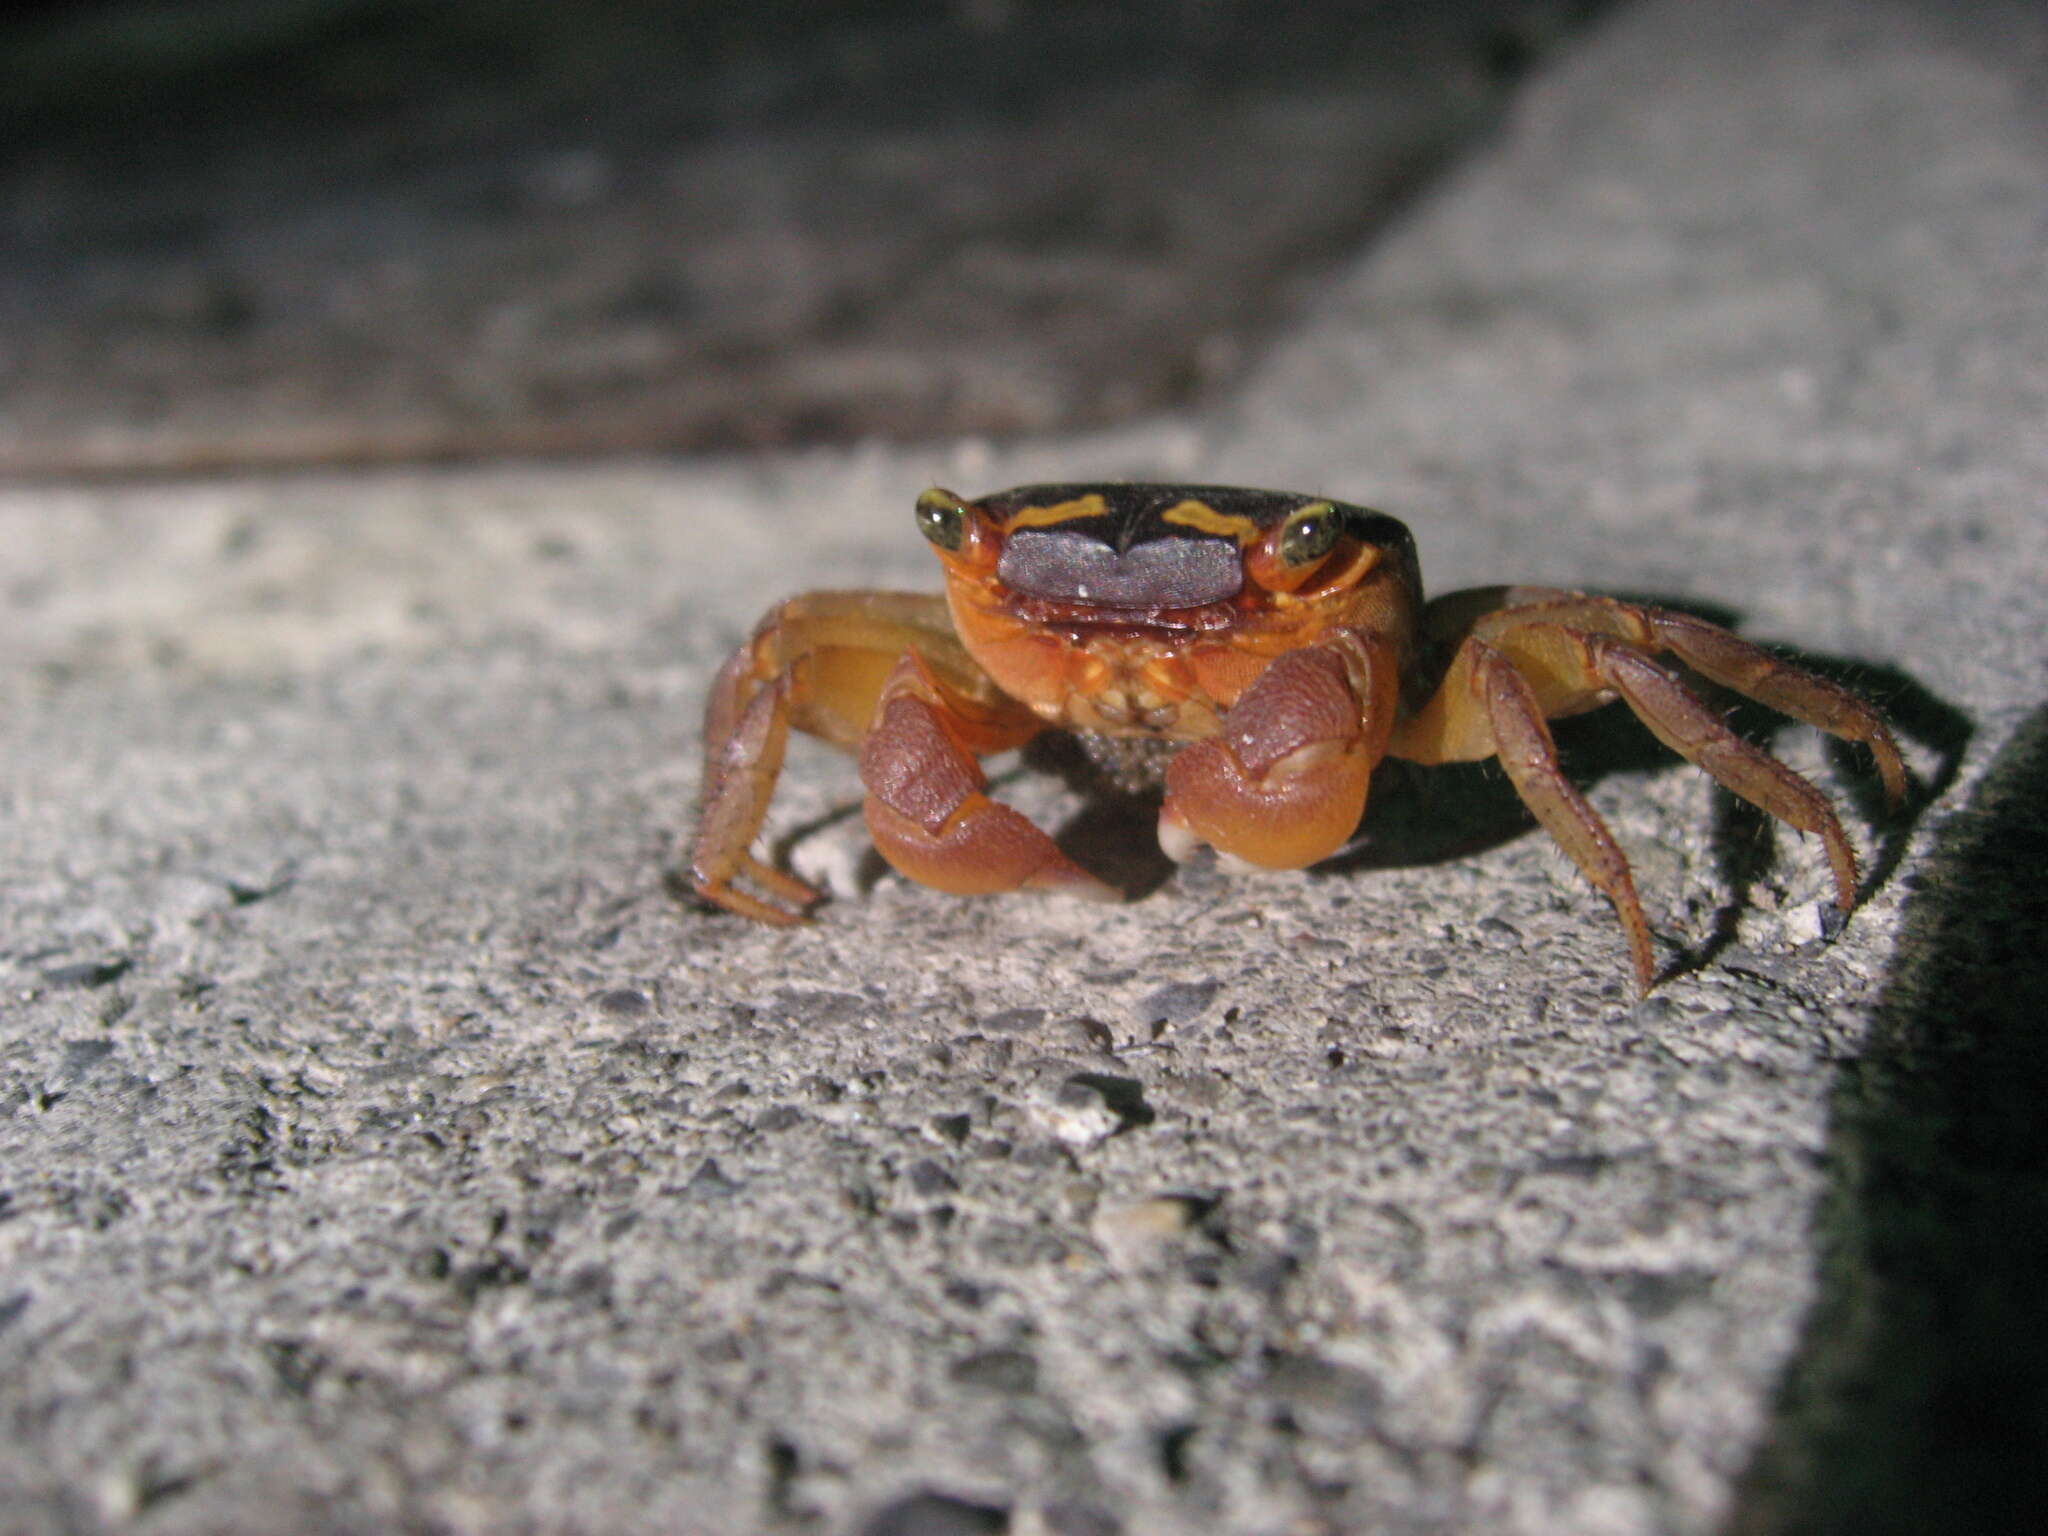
{"points": [[385, 1146]]}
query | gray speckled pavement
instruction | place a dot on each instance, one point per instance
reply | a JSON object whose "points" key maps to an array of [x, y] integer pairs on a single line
{"points": [[382, 1145]]}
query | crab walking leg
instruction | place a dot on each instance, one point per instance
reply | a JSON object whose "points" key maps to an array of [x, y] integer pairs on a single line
{"points": [[816, 663], [1284, 783], [1528, 654], [1522, 742], [1678, 718], [927, 805], [1509, 616], [1579, 651], [743, 745], [1756, 674]]}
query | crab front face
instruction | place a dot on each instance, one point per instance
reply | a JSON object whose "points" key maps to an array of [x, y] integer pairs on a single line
{"points": [[1146, 610]]}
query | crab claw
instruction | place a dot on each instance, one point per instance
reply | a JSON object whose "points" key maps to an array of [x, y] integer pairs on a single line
{"points": [[929, 813], [1284, 784]]}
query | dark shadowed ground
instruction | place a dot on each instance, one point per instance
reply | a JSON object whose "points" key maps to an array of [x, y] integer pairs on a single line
{"points": [[362, 232]]}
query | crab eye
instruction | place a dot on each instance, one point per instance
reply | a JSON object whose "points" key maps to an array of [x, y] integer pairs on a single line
{"points": [[941, 519], [1309, 533]]}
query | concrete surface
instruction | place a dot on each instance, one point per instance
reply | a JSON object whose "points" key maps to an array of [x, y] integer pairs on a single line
{"points": [[385, 1147]]}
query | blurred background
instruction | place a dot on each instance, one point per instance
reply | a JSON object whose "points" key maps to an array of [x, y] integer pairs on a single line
{"points": [[243, 233]]}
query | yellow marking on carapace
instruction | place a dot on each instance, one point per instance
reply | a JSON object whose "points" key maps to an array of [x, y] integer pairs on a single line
{"points": [[1203, 518], [1090, 505]]}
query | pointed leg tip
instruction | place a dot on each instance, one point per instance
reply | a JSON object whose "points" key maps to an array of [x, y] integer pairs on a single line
{"points": [[786, 903]]}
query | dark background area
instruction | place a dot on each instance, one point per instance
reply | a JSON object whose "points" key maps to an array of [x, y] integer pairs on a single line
{"points": [[359, 231]]}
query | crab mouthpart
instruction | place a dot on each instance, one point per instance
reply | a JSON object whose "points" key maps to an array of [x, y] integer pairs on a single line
{"points": [[1093, 618]]}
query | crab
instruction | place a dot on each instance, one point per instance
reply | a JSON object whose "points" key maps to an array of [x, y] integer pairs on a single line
{"points": [[1256, 653]]}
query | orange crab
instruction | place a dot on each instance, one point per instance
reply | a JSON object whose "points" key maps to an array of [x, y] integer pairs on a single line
{"points": [[1257, 651]]}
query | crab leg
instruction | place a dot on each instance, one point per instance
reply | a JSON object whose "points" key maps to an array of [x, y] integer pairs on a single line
{"points": [[1756, 674], [1708, 649], [743, 744], [927, 804], [1521, 740], [1532, 653], [1678, 718], [817, 663], [1284, 783]]}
